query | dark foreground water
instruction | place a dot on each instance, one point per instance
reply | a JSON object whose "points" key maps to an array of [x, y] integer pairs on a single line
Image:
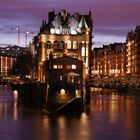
{"points": [[110, 116]]}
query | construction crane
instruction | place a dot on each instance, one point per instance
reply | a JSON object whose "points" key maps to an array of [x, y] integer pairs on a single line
{"points": [[18, 31]]}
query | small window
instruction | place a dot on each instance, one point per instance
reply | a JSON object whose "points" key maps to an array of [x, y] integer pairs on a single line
{"points": [[54, 66], [56, 45], [74, 45], [68, 67], [62, 45], [60, 66], [73, 66], [83, 51], [69, 45]]}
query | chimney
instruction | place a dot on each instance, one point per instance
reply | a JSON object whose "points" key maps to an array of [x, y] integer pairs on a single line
{"points": [[51, 16]]}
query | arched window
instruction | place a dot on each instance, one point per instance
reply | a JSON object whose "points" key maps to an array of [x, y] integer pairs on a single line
{"points": [[74, 45], [83, 48], [69, 44], [62, 45], [56, 45], [48, 45]]}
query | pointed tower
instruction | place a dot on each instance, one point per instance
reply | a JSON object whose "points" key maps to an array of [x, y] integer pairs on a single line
{"points": [[82, 26]]}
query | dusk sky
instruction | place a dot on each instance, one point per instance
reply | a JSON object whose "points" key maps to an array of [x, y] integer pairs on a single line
{"points": [[112, 18]]}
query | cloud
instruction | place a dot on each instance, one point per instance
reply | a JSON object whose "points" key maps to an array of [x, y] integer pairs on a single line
{"points": [[110, 17]]}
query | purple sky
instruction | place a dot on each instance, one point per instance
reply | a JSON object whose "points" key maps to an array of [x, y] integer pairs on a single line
{"points": [[112, 18]]}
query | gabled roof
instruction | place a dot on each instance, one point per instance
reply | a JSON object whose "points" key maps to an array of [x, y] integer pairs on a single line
{"points": [[65, 23], [66, 57]]}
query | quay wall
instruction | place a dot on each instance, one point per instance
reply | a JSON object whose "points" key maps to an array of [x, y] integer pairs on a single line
{"points": [[31, 94]]}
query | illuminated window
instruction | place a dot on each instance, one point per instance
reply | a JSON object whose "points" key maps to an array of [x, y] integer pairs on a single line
{"points": [[52, 31], [74, 45], [57, 31], [60, 66], [73, 66], [69, 45], [54, 66], [83, 51], [61, 78], [86, 71]]}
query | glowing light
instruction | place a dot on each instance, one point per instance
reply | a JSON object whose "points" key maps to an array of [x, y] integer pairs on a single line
{"points": [[57, 31], [62, 92], [73, 66], [129, 44], [15, 92], [52, 31], [74, 45], [69, 44], [77, 94], [27, 32], [83, 51]]}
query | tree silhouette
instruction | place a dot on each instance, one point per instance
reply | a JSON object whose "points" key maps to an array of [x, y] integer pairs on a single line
{"points": [[22, 66]]}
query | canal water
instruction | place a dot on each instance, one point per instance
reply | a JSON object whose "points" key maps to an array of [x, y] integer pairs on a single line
{"points": [[111, 115]]}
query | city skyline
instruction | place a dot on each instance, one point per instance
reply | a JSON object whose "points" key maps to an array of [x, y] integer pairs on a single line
{"points": [[112, 20]]}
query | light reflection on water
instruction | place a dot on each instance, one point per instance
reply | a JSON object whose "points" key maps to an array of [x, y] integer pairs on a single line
{"points": [[111, 115]]}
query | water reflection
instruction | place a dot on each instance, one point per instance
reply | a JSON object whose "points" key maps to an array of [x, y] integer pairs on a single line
{"points": [[111, 115], [67, 127], [8, 103], [107, 99]]}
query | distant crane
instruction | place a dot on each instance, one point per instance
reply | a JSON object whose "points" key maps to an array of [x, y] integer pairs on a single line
{"points": [[25, 32], [18, 31], [26, 37]]}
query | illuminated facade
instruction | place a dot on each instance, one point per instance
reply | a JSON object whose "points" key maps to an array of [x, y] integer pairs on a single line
{"points": [[118, 60], [64, 34], [6, 63], [109, 61], [8, 56], [133, 53]]}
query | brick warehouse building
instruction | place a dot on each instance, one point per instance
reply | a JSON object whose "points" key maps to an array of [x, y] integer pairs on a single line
{"points": [[8, 56], [64, 34], [119, 59], [109, 61], [133, 52]]}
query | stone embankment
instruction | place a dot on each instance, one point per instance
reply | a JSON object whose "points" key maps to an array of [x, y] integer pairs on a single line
{"points": [[125, 85]]}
